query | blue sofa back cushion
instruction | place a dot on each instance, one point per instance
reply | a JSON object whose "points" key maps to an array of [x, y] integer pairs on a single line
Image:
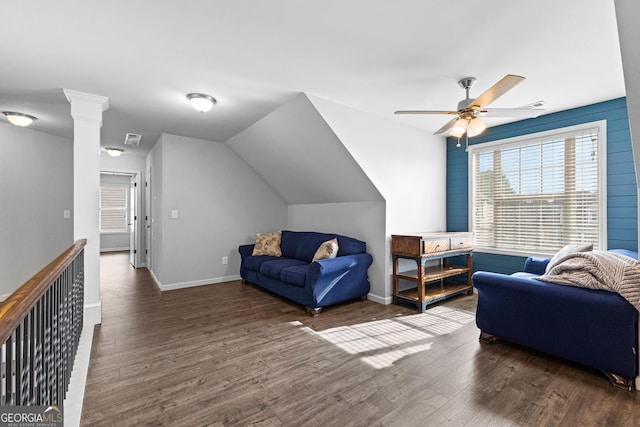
{"points": [[303, 245]]}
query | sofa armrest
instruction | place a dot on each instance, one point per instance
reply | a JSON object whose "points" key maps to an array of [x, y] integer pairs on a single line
{"points": [[245, 250], [536, 265], [345, 277]]}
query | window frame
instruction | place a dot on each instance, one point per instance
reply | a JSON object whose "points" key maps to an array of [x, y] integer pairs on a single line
{"points": [[521, 140], [125, 229]]}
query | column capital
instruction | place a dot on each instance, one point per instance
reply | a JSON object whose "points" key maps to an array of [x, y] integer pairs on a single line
{"points": [[86, 106]]}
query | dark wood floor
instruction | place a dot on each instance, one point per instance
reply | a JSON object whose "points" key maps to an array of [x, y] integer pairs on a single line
{"points": [[231, 354]]}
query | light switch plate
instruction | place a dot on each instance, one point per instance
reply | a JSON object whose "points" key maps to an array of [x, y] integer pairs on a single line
{"points": [[66, 214]]}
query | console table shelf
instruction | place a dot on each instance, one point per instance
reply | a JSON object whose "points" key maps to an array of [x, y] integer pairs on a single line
{"points": [[431, 281]]}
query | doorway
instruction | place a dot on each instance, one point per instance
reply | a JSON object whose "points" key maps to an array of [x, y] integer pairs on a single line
{"points": [[127, 236]]}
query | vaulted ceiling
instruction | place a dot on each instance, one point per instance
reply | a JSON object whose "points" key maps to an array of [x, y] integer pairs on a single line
{"points": [[253, 56]]}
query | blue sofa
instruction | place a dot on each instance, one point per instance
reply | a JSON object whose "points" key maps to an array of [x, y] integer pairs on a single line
{"points": [[312, 284], [593, 327]]}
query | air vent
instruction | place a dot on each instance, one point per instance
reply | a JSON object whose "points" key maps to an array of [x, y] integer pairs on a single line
{"points": [[132, 139]]}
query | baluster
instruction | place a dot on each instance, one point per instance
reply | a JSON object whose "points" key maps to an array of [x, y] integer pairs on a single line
{"points": [[3, 396], [32, 355], [18, 364], [39, 357], [8, 371]]}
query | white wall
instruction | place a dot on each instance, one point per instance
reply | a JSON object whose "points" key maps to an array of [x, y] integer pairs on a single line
{"points": [[627, 12], [221, 203], [154, 166], [36, 186], [361, 220], [407, 166]]}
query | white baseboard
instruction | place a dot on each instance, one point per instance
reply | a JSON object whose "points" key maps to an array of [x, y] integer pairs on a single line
{"points": [[182, 285], [379, 299], [93, 314]]}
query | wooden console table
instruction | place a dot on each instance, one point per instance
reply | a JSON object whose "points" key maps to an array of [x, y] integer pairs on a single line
{"points": [[432, 283]]}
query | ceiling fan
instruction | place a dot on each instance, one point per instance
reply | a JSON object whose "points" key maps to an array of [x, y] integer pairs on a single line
{"points": [[468, 115]]}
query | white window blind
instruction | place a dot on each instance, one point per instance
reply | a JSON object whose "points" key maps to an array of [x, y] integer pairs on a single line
{"points": [[539, 193], [113, 208]]}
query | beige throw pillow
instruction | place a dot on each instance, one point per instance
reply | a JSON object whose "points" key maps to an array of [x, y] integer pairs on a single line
{"points": [[328, 249], [268, 244], [568, 250]]}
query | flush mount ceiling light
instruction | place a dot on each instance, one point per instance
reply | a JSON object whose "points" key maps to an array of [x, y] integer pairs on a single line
{"points": [[114, 152], [201, 102], [19, 119]]}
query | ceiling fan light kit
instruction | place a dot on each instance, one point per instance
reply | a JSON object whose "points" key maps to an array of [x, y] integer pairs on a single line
{"points": [[468, 121], [476, 126], [459, 128]]}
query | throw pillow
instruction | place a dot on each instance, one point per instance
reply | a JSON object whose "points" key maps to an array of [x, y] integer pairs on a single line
{"points": [[567, 250], [268, 244], [328, 249]]}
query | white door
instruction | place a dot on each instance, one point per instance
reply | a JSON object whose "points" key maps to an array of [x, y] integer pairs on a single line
{"points": [[133, 221], [147, 216]]}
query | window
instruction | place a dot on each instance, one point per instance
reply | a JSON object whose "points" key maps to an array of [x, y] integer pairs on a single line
{"points": [[537, 193], [113, 209]]}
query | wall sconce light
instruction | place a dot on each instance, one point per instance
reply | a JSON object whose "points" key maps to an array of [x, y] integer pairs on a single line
{"points": [[19, 119], [114, 152], [201, 102]]}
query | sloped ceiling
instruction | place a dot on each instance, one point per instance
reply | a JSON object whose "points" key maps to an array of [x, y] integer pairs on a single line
{"points": [[298, 155]]}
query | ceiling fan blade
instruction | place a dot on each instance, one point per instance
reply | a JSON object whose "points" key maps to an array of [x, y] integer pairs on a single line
{"points": [[425, 112], [507, 83], [446, 127], [510, 112]]}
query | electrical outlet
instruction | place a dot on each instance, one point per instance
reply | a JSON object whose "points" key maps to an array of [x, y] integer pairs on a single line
{"points": [[66, 214], [225, 260]]}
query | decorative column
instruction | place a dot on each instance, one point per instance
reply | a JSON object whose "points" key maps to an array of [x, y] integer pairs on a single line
{"points": [[86, 110]]}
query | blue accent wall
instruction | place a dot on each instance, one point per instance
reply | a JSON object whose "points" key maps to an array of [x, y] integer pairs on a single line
{"points": [[622, 200]]}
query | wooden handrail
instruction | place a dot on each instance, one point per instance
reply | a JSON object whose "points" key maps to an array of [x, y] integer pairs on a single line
{"points": [[18, 304]]}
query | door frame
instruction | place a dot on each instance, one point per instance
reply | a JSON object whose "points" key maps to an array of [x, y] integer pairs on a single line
{"points": [[138, 259]]}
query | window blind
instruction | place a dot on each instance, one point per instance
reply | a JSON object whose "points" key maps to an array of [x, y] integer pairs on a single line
{"points": [[113, 208], [537, 194]]}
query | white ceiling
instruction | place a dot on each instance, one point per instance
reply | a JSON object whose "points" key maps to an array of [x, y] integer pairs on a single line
{"points": [[252, 55]]}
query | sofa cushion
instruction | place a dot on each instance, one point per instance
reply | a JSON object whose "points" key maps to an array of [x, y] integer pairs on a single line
{"points": [[274, 267], [302, 245], [295, 275], [268, 244], [254, 262], [327, 250]]}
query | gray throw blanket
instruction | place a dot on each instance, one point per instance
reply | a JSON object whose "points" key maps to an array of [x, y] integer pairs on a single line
{"points": [[598, 270]]}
